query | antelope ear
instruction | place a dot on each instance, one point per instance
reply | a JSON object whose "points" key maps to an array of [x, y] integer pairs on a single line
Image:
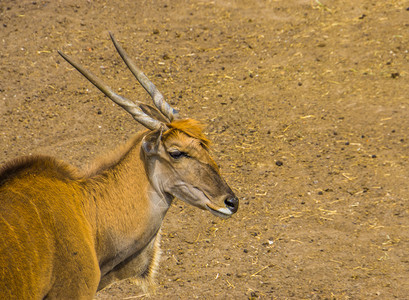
{"points": [[151, 142]]}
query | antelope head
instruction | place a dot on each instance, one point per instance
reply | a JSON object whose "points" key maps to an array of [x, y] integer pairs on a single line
{"points": [[175, 151]]}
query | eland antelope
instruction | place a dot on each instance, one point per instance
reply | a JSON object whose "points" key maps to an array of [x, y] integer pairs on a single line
{"points": [[67, 233]]}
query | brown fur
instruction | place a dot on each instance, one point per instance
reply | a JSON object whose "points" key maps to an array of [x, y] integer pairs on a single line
{"points": [[113, 158], [65, 233], [190, 127], [46, 237]]}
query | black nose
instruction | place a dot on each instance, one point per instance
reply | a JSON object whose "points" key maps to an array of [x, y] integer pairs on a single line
{"points": [[232, 203]]}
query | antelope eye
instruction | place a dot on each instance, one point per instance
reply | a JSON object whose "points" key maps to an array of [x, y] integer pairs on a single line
{"points": [[177, 154]]}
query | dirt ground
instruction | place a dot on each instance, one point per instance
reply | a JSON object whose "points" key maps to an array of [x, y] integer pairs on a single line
{"points": [[306, 102]]}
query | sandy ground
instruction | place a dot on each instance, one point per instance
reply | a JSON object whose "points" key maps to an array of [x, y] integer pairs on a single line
{"points": [[307, 106]]}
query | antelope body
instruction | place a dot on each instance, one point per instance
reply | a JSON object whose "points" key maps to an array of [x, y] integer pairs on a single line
{"points": [[66, 234]]}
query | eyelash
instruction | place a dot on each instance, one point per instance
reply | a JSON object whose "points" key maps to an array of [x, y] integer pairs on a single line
{"points": [[176, 154]]}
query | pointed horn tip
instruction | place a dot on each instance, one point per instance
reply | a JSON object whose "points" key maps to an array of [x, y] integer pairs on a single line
{"points": [[113, 39], [65, 56]]}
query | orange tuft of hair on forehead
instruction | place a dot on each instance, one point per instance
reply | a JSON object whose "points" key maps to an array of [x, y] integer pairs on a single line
{"points": [[192, 128]]}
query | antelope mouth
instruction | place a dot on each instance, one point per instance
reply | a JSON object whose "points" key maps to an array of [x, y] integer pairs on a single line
{"points": [[222, 212]]}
